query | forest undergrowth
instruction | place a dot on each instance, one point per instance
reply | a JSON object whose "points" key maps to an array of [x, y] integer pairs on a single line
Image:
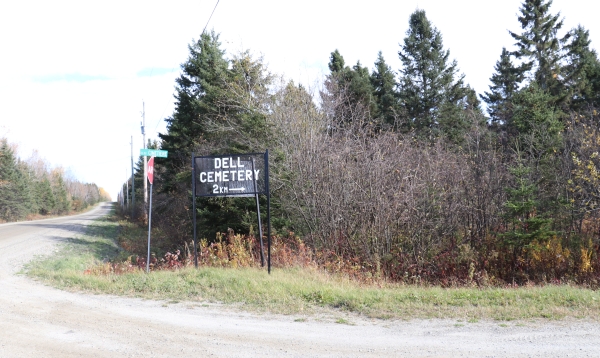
{"points": [[542, 263]]}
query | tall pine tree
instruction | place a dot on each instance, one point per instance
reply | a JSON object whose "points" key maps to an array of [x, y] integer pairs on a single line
{"points": [[336, 62], [428, 81], [539, 46], [45, 196], [505, 83], [198, 87], [13, 195], [242, 126], [582, 71], [384, 90], [348, 95]]}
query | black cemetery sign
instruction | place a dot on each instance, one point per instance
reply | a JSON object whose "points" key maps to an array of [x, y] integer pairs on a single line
{"points": [[233, 175], [241, 175]]}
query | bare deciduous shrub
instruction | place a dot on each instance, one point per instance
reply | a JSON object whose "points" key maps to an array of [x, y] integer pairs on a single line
{"points": [[372, 194]]}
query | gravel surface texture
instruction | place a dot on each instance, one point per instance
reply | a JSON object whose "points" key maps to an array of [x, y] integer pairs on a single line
{"points": [[39, 321]]}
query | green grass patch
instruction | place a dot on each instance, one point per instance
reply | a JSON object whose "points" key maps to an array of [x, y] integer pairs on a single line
{"points": [[78, 254], [344, 321], [302, 291]]}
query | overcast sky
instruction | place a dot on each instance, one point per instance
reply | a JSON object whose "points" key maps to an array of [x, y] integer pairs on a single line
{"points": [[73, 74]]}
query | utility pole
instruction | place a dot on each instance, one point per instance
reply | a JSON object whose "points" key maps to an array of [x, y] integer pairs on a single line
{"points": [[145, 162], [132, 185]]}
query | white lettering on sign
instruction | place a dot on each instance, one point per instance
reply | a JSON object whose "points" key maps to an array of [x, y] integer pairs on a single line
{"points": [[228, 175], [227, 163], [225, 170], [220, 189]]}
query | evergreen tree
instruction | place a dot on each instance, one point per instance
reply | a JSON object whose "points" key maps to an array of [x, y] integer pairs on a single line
{"points": [[46, 200], [361, 88], [538, 134], [582, 71], [537, 125], [533, 118], [243, 107], [539, 47], [336, 62], [221, 108], [13, 195], [524, 224], [348, 92], [460, 114], [428, 82], [505, 83], [61, 196], [198, 87], [386, 98], [27, 175], [242, 127]]}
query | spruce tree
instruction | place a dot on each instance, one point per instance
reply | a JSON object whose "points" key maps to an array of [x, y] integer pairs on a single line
{"points": [[221, 108], [336, 62], [582, 71], [384, 90], [27, 176], [360, 87], [505, 83], [242, 127], [13, 195], [536, 125], [521, 212], [243, 106], [47, 202], [537, 133], [539, 46], [428, 81], [59, 189], [202, 79], [460, 114], [348, 92]]}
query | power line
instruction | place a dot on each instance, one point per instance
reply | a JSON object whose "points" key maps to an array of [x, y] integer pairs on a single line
{"points": [[203, 30], [211, 14]]}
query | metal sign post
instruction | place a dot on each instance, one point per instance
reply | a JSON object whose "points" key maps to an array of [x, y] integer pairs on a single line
{"points": [[232, 175], [268, 211], [260, 233], [151, 180], [151, 153]]}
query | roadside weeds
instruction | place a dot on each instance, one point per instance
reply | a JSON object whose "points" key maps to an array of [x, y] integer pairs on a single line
{"points": [[301, 291]]}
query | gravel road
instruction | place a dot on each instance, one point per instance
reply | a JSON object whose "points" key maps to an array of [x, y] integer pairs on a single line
{"points": [[39, 321]]}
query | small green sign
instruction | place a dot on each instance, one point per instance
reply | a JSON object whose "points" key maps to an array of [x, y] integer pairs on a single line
{"points": [[153, 153]]}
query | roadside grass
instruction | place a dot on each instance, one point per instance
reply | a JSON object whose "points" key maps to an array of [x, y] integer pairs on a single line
{"points": [[302, 290]]}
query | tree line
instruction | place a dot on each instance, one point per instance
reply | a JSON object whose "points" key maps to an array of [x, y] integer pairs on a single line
{"points": [[30, 187], [401, 171]]}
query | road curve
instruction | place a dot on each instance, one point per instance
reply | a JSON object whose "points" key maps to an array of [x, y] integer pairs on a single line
{"points": [[39, 321]]}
